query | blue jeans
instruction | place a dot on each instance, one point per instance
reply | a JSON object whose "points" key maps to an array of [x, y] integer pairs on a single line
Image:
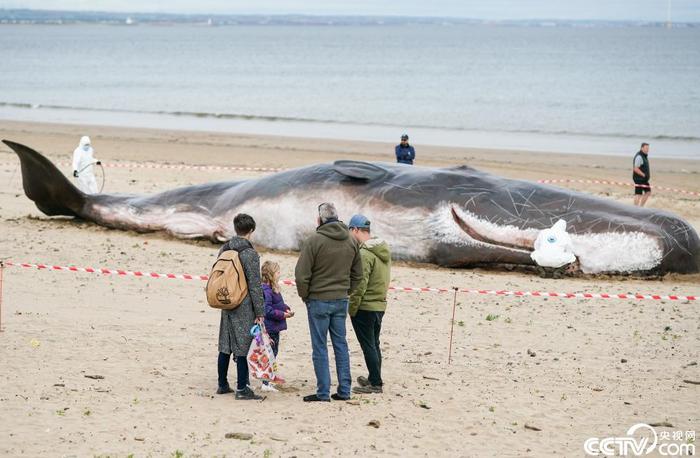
{"points": [[325, 317]]}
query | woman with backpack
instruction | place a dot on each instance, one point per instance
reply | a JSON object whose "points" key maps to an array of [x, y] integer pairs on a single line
{"points": [[234, 330]]}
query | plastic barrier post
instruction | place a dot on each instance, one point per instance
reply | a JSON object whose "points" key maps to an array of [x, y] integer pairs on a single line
{"points": [[2, 269]]}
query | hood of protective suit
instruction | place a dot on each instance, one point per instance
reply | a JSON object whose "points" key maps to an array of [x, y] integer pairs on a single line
{"points": [[553, 247]]}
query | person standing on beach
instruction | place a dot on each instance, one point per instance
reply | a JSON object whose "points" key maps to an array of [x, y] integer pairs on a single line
{"points": [[328, 270], [640, 175], [405, 153], [368, 302], [83, 162], [276, 311], [234, 328]]}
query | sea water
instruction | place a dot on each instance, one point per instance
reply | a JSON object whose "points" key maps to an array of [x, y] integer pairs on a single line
{"points": [[588, 90]]}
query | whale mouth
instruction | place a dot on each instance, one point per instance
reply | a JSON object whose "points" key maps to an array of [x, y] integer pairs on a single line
{"points": [[522, 244]]}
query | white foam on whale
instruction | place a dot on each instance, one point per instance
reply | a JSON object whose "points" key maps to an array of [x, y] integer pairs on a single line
{"points": [[616, 251], [283, 223]]}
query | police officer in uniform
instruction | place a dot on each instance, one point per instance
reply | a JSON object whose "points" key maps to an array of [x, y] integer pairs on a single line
{"points": [[405, 153]]}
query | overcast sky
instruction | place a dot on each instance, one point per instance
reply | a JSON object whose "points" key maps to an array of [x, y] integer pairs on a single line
{"points": [[651, 10]]}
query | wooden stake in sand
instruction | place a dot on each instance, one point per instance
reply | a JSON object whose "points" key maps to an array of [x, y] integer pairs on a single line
{"points": [[452, 327], [2, 268]]}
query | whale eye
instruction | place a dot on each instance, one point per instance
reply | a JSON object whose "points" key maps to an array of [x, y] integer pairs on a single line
{"points": [[552, 239]]}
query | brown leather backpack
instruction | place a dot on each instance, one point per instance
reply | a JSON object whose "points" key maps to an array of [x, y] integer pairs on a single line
{"points": [[227, 286]]}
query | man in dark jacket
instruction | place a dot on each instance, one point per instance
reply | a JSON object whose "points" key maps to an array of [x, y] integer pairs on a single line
{"points": [[328, 269], [368, 301], [405, 153], [641, 173], [234, 328]]}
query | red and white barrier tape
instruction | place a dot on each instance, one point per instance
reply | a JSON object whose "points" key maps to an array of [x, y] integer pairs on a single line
{"points": [[149, 165], [121, 272], [210, 168], [136, 165], [102, 270], [620, 183], [550, 294]]}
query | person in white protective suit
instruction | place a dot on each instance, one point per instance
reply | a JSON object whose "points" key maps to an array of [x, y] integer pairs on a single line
{"points": [[83, 164], [553, 247]]}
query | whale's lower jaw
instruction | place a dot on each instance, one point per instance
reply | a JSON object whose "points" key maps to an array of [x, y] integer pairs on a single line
{"points": [[607, 252]]}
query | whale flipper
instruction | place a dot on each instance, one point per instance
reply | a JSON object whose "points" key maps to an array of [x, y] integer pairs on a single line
{"points": [[43, 183]]}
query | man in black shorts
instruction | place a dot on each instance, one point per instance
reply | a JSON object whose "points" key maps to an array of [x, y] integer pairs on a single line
{"points": [[640, 175]]}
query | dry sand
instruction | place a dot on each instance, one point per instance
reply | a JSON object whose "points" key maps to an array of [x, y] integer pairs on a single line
{"points": [[154, 341]]}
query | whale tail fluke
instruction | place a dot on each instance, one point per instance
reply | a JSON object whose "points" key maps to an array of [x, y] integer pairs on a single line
{"points": [[43, 183]]}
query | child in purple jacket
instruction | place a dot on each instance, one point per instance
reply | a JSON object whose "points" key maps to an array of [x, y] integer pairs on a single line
{"points": [[276, 311]]}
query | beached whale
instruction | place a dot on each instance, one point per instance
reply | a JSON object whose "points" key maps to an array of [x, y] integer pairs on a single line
{"points": [[454, 217]]}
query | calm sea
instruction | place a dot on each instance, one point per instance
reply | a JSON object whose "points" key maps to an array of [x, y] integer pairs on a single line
{"points": [[593, 90]]}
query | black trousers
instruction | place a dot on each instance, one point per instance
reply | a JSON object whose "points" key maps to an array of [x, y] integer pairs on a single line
{"points": [[641, 190], [241, 368], [275, 337], [368, 326]]}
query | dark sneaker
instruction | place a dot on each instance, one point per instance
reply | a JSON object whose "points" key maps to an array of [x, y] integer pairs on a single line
{"points": [[224, 390], [315, 398], [362, 381], [337, 397], [247, 394], [371, 389]]}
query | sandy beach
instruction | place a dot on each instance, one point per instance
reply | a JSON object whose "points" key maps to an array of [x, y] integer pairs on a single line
{"points": [[115, 366]]}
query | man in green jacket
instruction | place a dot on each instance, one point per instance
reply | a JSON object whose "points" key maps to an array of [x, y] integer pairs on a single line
{"points": [[368, 301]]}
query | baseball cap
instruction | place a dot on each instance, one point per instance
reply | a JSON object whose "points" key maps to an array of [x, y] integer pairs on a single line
{"points": [[404, 137], [359, 222]]}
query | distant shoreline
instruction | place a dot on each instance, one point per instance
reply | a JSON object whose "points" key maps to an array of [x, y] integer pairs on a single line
{"points": [[68, 17]]}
